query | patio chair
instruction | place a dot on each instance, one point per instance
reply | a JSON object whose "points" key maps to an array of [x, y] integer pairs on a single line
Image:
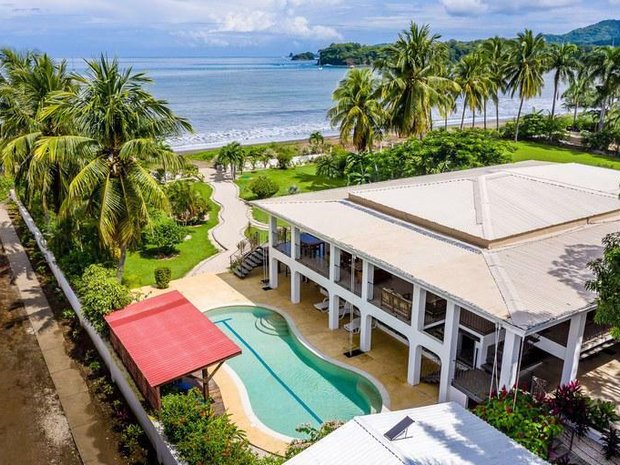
{"points": [[322, 306], [353, 326]]}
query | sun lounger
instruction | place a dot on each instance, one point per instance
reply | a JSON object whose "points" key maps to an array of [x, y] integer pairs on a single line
{"points": [[354, 325], [322, 306]]}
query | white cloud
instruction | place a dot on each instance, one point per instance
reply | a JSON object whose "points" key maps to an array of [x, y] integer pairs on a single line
{"points": [[464, 7]]}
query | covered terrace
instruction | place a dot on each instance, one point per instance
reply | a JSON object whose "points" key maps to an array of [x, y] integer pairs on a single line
{"points": [[166, 338]]}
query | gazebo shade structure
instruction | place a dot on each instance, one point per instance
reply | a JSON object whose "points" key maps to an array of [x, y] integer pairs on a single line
{"points": [[165, 338]]}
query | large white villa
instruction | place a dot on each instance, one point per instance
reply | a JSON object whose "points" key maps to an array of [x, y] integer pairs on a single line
{"points": [[482, 271]]}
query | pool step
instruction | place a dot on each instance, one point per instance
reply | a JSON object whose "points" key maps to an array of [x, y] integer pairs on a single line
{"points": [[273, 325]]}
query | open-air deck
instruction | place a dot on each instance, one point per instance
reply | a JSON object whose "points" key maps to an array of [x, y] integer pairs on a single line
{"points": [[349, 273], [392, 295], [314, 253]]}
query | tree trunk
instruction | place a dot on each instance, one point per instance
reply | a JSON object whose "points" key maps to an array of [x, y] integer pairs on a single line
{"points": [[473, 118], [518, 118], [463, 114], [445, 122], [485, 114], [120, 269], [555, 94], [601, 119], [575, 116], [497, 115]]}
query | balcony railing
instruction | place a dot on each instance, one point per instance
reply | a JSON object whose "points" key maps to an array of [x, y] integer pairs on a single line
{"points": [[394, 303]]}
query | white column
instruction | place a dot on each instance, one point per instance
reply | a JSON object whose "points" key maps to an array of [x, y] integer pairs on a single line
{"points": [[365, 331], [273, 230], [334, 305], [450, 342], [414, 366], [273, 273], [367, 278], [510, 360], [418, 308], [486, 342], [334, 263], [295, 286], [573, 348], [295, 242]]}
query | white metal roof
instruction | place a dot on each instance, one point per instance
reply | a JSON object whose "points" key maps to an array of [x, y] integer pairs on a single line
{"points": [[527, 282], [442, 434]]}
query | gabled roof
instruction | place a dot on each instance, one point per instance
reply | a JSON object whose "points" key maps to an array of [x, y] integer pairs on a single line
{"points": [[554, 215], [167, 337], [442, 434]]}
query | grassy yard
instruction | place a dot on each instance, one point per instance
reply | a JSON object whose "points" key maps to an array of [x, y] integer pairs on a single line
{"points": [[543, 152], [140, 267]]}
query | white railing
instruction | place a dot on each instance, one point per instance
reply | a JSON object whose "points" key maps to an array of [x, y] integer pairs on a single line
{"points": [[165, 453]]}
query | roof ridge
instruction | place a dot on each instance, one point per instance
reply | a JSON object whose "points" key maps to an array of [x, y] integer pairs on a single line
{"points": [[482, 204], [396, 455], [505, 286], [551, 182]]}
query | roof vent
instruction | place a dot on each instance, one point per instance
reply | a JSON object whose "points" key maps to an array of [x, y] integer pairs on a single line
{"points": [[399, 431]]}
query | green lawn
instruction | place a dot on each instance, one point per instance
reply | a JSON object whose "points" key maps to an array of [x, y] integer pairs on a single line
{"points": [[139, 269], [543, 152]]}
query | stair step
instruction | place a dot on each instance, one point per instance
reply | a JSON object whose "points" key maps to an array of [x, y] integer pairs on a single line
{"points": [[239, 274]]}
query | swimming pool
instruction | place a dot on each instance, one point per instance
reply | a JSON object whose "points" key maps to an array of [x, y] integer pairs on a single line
{"points": [[287, 384]]}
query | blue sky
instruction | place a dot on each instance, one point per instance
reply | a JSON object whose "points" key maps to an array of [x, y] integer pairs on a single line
{"points": [[269, 27]]}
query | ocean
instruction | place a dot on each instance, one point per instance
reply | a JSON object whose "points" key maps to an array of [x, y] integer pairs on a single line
{"points": [[252, 100]]}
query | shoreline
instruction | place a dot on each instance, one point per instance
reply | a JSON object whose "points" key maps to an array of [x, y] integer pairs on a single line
{"points": [[199, 148]]}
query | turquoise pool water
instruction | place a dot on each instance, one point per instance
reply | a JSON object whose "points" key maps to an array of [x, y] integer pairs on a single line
{"points": [[287, 384]]}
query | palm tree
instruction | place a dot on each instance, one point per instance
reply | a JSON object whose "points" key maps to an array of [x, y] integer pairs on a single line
{"points": [[604, 64], [580, 90], [316, 141], [232, 156], [357, 110], [472, 77], [187, 203], [119, 133], [562, 61], [494, 53], [525, 68], [414, 78], [30, 79]]}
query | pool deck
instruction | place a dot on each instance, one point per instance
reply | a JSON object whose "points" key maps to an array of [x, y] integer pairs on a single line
{"points": [[387, 360]]}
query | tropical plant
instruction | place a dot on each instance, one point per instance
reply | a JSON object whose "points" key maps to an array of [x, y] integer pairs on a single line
{"points": [[162, 277], [570, 404], [100, 294], [28, 81], [536, 126], [187, 203], [119, 132], [331, 165], [604, 66], [164, 234], [472, 76], [525, 68], [580, 91], [494, 53], [611, 443], [414, 78], [357, 110], [316, 141], [263, 187], [231, 156], [284, 159], [563, 62], [313, 435], [606, 283], [360, 168]]}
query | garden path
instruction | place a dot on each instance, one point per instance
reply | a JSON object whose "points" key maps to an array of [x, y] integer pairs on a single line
{"points": [[235, 214]]}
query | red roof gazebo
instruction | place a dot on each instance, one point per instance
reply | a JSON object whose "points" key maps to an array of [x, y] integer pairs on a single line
{"points": [[165, 338]]}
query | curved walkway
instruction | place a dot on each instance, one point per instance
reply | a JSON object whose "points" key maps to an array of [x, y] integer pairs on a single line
{"points": [[234, 217]]}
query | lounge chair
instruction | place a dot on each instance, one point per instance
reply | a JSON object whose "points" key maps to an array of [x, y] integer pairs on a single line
{"points": [[323, 305], [354, 325]]}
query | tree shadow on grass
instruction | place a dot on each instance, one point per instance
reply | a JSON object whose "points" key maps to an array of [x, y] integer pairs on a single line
{"points": [[316, 183]]}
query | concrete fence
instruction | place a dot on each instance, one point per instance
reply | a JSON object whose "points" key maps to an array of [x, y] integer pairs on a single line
{"points": [[165, 453]]}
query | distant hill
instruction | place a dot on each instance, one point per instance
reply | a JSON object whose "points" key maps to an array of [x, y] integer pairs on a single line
{"points": [[604, 33]]}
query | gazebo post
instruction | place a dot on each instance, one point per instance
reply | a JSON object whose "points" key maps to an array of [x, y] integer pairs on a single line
{"points": [[205, 383]]}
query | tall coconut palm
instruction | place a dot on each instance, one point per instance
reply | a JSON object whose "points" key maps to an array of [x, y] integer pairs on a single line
{"points": [[604, 64], [562, 61], [31, 79], [525, 68], [414, 79], [472, 76], [119, 133], [357, 110], [494, 52], [231, 156]]}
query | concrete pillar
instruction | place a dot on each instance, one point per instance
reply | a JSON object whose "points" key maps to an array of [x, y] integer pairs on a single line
{"points": [[334, 305], [334, 263], [508, 375], [418, 308], [295, 242], [573, 348], [295, 287], [365, 332], [450, 342], [273, 230], [414, 366], [367, 280], [273, 273], [485, 342]]}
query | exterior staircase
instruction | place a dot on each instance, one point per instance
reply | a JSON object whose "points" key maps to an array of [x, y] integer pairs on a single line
{"points": [[244, 265]]}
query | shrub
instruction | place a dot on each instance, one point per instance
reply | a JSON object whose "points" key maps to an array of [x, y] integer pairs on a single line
{"points": [[284, 159], [101, 293], [6, 184], [527, 421], [611, 444], [164, 234], [186, 202], [263, 187], [132, 438], [537, 125], [569, 404], [602, 414], [603, 140], [162, 277], [314, 434]]}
